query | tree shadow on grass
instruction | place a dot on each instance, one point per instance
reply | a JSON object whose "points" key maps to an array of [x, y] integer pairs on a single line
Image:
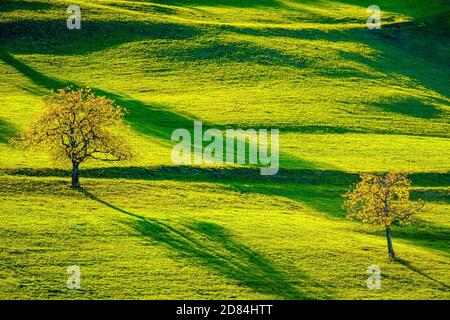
{"points": [[400, 7], [399, 48], [225, 174], [318, 189], [147, 119], [325, 199], [430, 179], [214, 247], [423, 234], [412, 107], [411, 267], [10, 6], [236, 51], [160, 121], [222, 3], [155, 120], [35, 76], [7, 131], [432, 195], [53, 37]]}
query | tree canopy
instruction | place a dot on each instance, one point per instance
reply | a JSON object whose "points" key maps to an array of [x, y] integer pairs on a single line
{"points": [[77, 125], [383, 200]]}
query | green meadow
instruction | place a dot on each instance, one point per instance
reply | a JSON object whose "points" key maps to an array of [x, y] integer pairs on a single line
{"points": [[346, 99]]}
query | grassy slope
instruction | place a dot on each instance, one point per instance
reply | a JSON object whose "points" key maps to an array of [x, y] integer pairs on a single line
{"points": [[346, 100]]}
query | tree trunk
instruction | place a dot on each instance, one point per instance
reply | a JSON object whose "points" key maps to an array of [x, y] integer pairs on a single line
{"points": [[389, 243], [75, 175]]}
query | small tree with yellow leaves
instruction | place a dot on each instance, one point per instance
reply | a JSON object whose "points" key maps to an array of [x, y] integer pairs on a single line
{"points": [[382, 200], [76, 125]]}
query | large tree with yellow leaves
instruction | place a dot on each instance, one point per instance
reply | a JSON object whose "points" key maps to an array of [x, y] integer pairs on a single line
{"points": [[77, 125], [382, 200]]}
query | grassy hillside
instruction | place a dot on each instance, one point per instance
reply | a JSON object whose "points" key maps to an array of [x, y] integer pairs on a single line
{"points": [[346, 100]]}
